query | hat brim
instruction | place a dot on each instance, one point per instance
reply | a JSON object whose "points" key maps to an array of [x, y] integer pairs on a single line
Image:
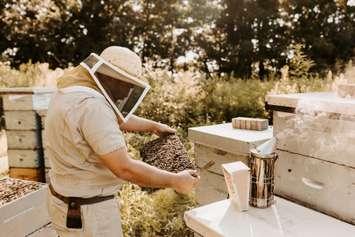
{"points": [[122, 74]]}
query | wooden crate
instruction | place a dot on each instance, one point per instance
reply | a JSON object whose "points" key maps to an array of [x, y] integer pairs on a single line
{"points": [[25, 158], [318, 184], [26, 98], [25, 215], [17, 139], [33, 174], [21, 120]]}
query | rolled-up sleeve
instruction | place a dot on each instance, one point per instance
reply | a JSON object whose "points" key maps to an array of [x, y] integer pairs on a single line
{"points": [[99, 127]]}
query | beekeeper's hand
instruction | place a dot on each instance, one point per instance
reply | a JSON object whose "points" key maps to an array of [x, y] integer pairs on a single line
{"points": [[161, 129], [185, 181]]}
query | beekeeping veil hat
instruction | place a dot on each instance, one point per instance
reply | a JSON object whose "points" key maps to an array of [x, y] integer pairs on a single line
{"points": [[117, 73]]}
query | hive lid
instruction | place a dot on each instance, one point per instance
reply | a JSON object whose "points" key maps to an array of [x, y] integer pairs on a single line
{"points": [[26, 90], [224, 137], [327, 102]]}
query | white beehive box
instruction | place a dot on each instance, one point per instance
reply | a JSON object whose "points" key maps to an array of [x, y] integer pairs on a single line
{"points": [[25, 215], [316, 166], [24, 113], [26, 98], [221, 144]]}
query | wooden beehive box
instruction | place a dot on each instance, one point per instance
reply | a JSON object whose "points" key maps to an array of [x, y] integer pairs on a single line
{"points": [[23, 110], [218, 144], [25, 212], [316, 165]]}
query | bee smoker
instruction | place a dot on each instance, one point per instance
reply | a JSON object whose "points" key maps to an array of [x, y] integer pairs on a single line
{"points": [[262, 166]]}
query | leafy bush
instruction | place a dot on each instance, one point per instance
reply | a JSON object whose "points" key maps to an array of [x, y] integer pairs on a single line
{"points": [[28, 74], [156, 214]]}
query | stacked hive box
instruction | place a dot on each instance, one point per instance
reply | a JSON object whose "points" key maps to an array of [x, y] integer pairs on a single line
{"points": [[316, 165], [216, 145], [24, 130]]}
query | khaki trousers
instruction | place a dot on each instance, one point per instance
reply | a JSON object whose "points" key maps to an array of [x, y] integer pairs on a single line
{"points": [[101, 219]]}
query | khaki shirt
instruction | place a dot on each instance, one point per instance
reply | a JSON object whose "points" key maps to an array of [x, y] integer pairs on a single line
{"points": [[80, 126]]}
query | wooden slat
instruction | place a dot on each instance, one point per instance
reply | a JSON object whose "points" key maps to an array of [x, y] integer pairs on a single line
{"points": [[211, 188], [24, 158], [33, 174], [226, 138], [321, 137], [318, 184], [206, 154], [21, 120], [26, 90], [26, 101], [22, 139]]}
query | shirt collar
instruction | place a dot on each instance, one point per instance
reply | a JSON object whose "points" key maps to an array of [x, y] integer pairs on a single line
{"points": [[85, 89]]}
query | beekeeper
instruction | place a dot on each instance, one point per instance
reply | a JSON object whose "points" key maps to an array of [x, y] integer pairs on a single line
{"points": [[86, 148]]}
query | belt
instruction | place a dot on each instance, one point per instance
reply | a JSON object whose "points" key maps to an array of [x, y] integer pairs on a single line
{"points": [[74, 204]]}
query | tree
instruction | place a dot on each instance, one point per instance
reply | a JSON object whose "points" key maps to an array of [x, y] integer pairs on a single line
{"points": [[70, 30], [248, 32], [326, 28]]}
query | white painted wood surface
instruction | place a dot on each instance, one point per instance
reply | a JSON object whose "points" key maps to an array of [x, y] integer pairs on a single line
{"points": [[20, 120], [21, 139], [26, 98], [321, 185], [204, 155], [327, 102], [284, 218], [221, 144], [324, 138], [212, 187], [25, 215], [225, 137], [24, 158]]}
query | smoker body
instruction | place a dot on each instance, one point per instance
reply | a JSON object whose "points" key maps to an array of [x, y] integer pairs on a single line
{"points": [[316, 148]]}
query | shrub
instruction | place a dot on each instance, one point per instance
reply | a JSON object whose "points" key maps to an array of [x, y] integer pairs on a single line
{"points": [[156, 214]]}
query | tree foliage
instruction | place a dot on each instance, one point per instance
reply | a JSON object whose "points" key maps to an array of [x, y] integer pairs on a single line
{"points": [[239, 37]]}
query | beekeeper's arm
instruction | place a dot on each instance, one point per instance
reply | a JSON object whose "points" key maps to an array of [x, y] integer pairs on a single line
{"points": [[145, 175], [138, 124], [99, 127]]}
